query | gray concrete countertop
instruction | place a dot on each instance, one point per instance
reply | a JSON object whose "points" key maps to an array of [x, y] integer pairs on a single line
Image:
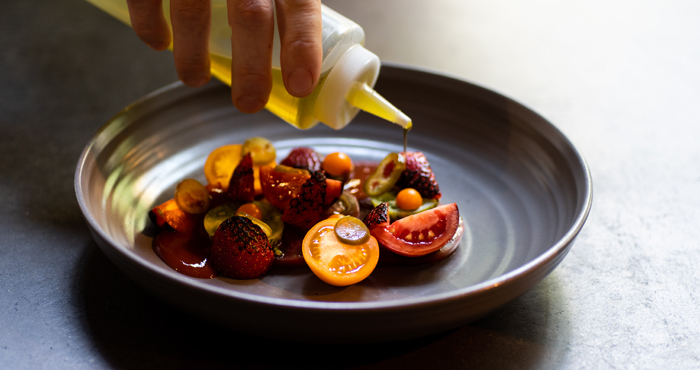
{"points": [[620, 78]]}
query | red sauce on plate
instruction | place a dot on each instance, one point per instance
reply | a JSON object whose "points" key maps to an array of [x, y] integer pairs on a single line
{"points": [[185, 253]]}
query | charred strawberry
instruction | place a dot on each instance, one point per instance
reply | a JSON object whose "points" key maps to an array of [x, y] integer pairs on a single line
{"points": [[304, 158], [241, 187], [378, 216], [419, 176], [240, 249], [306, 209]]}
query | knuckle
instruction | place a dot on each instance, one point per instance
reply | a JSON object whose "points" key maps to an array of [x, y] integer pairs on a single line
{"points": [[192, 11], [252, 12], [301, 43], [251, 75]]}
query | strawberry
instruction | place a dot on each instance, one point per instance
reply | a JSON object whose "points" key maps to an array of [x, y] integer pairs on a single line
{"points": [[419, 176], [378, 216], [305, 158], [306, 209], [241, 186], [240, 249]]}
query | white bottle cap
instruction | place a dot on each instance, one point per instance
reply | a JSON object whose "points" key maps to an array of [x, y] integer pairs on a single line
{"points": [[356, 65]]}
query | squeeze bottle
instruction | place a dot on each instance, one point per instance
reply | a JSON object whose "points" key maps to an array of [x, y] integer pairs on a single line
{"points": [[348, 72]]}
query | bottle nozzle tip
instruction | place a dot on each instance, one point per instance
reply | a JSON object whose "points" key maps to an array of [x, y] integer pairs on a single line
{"points": [[403, 120]]}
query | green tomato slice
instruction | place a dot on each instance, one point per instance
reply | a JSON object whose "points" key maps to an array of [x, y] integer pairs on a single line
{"points": [[350, 230]]}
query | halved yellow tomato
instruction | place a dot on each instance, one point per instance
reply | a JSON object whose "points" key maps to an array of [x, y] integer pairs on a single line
{"points": [[338, 263], [220, 165], [223, 161]]}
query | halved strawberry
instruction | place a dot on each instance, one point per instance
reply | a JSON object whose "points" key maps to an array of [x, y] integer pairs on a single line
{"points": [[241, 186], [240, 249], [378, 216], [306, 210], [418, 175], [305, 158]]}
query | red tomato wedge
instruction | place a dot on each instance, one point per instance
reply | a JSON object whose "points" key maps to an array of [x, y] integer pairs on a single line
{"points": [[281, 187], [420, 234]]}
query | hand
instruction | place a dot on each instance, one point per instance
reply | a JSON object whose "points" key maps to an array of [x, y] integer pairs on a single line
{"points": [[252, 25]]}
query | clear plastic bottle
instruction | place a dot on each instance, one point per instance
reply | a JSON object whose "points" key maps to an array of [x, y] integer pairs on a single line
{"points": [[348, 73]]}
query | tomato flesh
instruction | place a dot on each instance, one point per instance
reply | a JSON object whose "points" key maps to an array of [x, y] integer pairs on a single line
{"points": [[421, 233], [335, 262]]}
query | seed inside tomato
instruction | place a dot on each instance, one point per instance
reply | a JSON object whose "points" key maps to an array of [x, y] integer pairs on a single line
{"points": [[335, 262], [421, 233]]}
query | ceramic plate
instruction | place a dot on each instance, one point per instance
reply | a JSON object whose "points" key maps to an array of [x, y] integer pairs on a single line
{"points": [[523, 191]]}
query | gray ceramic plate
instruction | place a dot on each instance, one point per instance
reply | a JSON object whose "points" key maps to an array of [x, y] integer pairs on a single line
{"points": [[523, 191]]}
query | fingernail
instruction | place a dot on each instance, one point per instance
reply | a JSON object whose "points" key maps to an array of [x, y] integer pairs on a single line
{"points": [[249, 104], [300, 81]]}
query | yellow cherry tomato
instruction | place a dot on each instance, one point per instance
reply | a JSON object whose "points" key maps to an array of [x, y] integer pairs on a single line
{"points": [[409, 199], [223, 161], [338, 263], [192, 197], [261, 150], [337, 164], [251, 209], [220, 165]]}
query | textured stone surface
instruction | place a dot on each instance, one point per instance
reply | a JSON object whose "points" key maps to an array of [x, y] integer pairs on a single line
{"points": [[620, 78]]}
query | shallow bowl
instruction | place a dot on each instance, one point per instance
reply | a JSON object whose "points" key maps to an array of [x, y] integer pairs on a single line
{"points": [[522, 188]]}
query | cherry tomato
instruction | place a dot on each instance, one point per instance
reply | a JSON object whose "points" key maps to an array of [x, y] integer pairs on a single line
{"points": [[338, 263], [222, 162], [192, 197], [421, 233], [220, 165], [409, 199], [337, 164], [251, 209], [262, 151]]}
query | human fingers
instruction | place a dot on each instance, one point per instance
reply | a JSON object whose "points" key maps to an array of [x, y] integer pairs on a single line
{"points": [[191, 21], [148, 22], [301, 53], [252, 27]]}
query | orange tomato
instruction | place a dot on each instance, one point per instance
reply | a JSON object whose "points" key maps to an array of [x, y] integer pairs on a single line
{"points": [[220, 165], [337, 164], [334, 262], [409, 199], [251, 209]]}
